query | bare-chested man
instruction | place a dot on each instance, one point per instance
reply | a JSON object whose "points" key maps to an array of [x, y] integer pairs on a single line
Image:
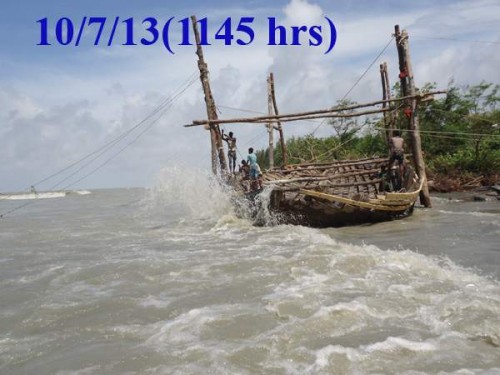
{"points": [[231, 153]]}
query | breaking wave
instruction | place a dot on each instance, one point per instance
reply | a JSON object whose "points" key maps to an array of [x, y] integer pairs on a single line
{"points": [[197, 196], [42, 195], [187, 194], [30, 196]]}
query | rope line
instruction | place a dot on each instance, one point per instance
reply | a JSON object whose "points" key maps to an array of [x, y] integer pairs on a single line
{"points": [[161, 110], [133, 140], [360, 78], [446, 132], [111, 143], [352, 137], [457, 40], [473, 115], [346, 94], [242, 110]]}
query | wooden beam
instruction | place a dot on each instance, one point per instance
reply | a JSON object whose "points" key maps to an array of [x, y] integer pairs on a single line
{"points": [[386, 95], [408, 87], [284, 153], [270, 125], [347, 163], [333, 176], [312, 179], [351, 202], [284, 118], [326, 113], [215, 134]]}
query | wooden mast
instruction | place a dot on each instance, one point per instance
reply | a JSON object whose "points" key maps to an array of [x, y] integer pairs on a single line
{"points": [[270, 125], [386, 95], [280, 128], [215, 134], [408, 89]]}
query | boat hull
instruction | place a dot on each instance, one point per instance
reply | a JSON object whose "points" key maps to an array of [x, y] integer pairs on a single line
{"points": [[331, 214], [333, 194]]}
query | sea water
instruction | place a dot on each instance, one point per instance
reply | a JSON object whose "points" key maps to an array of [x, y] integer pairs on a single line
{"points": [[169, 280]]}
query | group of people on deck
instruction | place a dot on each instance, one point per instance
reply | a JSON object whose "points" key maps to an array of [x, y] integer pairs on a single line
{"points": [[251, 174], [249, 169]]}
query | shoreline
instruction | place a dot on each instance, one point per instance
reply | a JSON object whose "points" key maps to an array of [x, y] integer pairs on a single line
{"points": [[478, 194], [474, 184]]}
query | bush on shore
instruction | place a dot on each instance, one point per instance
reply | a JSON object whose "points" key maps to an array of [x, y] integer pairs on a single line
{"points": [[460, 137]]}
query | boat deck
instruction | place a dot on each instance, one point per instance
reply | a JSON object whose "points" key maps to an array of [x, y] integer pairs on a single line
{"points": [[348, 178]]}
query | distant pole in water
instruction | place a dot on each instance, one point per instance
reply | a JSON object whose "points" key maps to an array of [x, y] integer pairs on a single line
{"points": [[270, 125], [408, 88], [215, 134], [278, 122]]}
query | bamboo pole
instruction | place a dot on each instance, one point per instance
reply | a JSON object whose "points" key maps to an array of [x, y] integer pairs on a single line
{"points": [[393, 115], [331, 177], [280, 128], [270, 126], [283, 118], [215, 135], [335, 164], [408, 87], [386, 95], [313, 114], [331, 185]]}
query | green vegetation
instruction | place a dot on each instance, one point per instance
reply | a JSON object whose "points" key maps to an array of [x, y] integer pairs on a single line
{"points": [[461, 132], [460, 135]]}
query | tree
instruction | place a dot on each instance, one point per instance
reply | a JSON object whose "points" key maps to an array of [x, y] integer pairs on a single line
{"points": [[345, 127]]}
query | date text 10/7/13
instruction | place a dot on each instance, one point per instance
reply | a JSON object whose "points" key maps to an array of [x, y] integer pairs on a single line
{"points": [[149, 31]]}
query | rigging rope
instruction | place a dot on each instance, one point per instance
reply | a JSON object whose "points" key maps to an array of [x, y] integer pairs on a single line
{"points": [[473, 115], [352, 137], [447, 132], [133, 140], [360, 78], [457, 40], [116, 140], [347, 93], [161, 109]]}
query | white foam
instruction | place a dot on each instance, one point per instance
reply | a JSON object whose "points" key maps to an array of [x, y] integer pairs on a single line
{"points": [[323, 354], [469, 213], [52, 271], [354, 307], [31, 196], [184, 328], [392, 344], [194, 195], [82, 192], [151, 301]]}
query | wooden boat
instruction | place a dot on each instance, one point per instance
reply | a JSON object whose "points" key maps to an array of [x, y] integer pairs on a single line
{"points": [[337, 193], [332, 193]]}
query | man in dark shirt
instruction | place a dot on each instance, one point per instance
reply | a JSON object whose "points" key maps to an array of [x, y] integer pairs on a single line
{"points": [[396, 144]]}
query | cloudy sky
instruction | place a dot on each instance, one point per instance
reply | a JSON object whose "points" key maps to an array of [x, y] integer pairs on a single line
{"points": [[59, 104]]}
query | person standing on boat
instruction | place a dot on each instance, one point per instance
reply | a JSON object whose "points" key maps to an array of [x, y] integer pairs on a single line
{"points": [[231, 153], [245, 176], [245, 170], [396, 144], [254, 166]]}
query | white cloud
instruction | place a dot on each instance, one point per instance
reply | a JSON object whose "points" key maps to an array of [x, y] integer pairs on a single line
{"points": [[301, 12], [52, 116]]}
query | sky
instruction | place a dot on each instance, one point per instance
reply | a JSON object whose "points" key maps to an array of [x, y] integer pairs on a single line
{"points": [[61, 103]]}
